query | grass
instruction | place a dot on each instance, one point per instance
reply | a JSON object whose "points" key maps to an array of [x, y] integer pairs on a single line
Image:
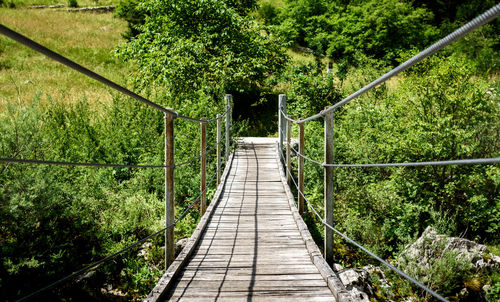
{"points": [[88, 39], [81, 3]]}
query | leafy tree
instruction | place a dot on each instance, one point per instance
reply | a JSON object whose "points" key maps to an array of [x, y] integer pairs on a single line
{"points": [[380, 29], [200, 50]]}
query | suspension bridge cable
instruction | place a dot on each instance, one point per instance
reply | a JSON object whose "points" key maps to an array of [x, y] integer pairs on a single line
{"points": [[220, 117], [473, 161], [476, 161], [64, 163], [288, 117], [479, 21], [406, 276], [307, 158], [193, 159], [107, 258], [71, 64]]}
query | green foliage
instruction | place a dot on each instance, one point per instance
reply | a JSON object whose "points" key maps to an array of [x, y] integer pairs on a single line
{"points": [[57, 219], [72, 3], [199, 50], [133, 13], [445, 273], [380, 29], [268, 13]]}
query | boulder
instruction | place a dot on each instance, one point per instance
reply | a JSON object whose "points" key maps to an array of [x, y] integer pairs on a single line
{"points": [[431, 245], [357, 282]]}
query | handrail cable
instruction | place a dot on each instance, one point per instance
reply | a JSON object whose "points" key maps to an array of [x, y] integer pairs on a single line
{"points": [[477, 22], [220, 116], [109, 257], [64, 163], [416, 282], [474, 161], [195, 158], [305, 157], [71, 64]]}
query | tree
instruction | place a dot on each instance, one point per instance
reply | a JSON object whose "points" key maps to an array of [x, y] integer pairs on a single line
{"points": [[201, 49]]}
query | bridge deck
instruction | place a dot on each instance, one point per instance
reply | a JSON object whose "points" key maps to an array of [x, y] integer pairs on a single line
{"points": [[251, 249]]}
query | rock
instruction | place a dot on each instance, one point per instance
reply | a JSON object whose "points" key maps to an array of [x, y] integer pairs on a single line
{"points": [[376, 271], [113, 294], [337, 267], [179, 245], [432, 245], [144, 252], [357, 282]]}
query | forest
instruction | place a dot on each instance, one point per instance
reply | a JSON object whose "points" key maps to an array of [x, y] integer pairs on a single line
{"points": [[186, 55]]}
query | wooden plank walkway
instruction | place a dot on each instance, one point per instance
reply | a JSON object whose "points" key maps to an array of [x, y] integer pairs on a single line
{"points": [[251, 248]]}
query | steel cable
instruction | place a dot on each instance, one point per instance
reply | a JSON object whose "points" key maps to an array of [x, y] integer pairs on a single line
{"points": [[289, 118], [107, 258], [63, 163], [83, 70], [479, 21], [305, 157], [414, 281], [220, 117], [475, 161], [193, 159], [63, 60]]}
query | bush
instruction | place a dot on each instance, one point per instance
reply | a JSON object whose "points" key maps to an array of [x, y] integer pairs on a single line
{"points": [[72, 3]]}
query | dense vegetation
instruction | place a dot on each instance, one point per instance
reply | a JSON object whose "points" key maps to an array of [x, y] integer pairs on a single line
{"points": [[186, 55]]}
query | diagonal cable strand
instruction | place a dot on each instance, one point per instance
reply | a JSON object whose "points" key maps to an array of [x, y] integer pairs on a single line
{"points": [[107, 258], [193, 159], [63, 60], [83, 70], [479, 21], [414, 281], [305, 157]]}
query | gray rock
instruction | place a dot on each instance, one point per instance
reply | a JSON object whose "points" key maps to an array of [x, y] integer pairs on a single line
{"points": [[357, 282], [431, 244]]}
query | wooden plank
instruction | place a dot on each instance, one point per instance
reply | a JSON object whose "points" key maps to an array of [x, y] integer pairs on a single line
{"points": [[251, 248]]}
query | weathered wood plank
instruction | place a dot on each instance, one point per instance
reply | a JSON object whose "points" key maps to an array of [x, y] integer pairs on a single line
{"points": [[251, 248]]}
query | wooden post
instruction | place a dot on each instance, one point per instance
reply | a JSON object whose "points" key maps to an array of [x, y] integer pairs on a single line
{"points": [[328, 187], [329, 69], [229, 102], [203, 167], [281, 120], [219, 117], [300, 198], [288, 153], [169, 190]]}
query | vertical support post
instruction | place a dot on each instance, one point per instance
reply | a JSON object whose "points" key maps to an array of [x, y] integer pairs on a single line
{"points": [[169, 189], [219, 117], [329, 69], [288, 151], [300, 198], [328, 187], [229, 104], [203, 167], [281, 120]]}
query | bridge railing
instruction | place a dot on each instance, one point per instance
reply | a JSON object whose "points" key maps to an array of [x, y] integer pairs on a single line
{"points": [[284, 133], [169, 165]]}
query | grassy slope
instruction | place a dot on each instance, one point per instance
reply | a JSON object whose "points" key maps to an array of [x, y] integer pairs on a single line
{"points": [[81, 3], [88, 39]]}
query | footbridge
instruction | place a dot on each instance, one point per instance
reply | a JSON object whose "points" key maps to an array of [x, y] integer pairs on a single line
{"points": [[251, 243]]}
